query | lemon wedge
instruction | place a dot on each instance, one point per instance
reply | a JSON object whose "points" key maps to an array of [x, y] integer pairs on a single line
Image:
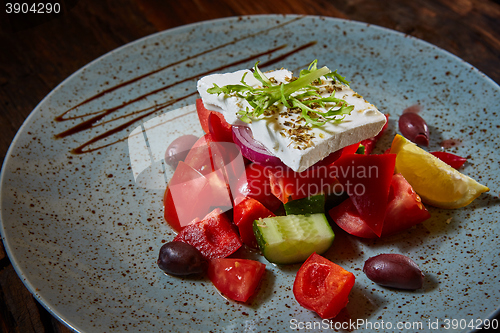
{"points": [[437, 183]]}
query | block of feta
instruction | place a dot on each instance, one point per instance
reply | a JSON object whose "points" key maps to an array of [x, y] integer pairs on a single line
{"points": [[283, 133]]}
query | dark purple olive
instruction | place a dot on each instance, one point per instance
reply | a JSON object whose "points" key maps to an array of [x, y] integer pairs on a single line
{"points": [[178, 258], [179, 148], [414, 128], [394, 270]]}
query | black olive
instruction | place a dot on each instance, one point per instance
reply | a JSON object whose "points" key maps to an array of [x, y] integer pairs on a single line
{"points": [[414, 128], [394, 270], [178, 258]]}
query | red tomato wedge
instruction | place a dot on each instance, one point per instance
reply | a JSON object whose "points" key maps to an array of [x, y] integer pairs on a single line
{"points": [[181, 208], [256, 184], [204, 114], [288, 185], [348, 219], [367, 181], [236, 279], [244, 213], [197, 186], [403, 211], [405, 208], [222, 164], [213, 236], [322, 286], [452, 160], [170, 213], [199, 157], [227, 158], [218, 194], [219, 129]]}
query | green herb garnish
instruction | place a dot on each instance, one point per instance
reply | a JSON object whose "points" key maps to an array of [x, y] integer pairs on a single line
{"points": [[302, 93]]}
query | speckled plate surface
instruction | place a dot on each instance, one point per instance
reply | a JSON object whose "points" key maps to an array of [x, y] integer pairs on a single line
{"points": [[81, 201]]}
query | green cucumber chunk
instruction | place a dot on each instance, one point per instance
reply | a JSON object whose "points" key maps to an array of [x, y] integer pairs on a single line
{"points": [[310, 205], [293, 238]]}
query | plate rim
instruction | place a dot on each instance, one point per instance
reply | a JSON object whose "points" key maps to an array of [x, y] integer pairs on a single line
{"points": [[20, 132]]}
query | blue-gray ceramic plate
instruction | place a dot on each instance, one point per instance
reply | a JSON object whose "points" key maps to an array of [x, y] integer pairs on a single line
{"points": [[82, 184]]}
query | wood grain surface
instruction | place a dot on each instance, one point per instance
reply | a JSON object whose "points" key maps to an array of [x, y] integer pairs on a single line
{"points": [[37, 52]]}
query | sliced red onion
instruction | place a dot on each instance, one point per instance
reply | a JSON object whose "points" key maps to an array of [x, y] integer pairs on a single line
{"points": [[258, 153], [253, 149]]}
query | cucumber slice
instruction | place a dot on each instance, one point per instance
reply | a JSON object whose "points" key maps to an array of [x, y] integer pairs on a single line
{"points": [[311, 205], [293, 238]]}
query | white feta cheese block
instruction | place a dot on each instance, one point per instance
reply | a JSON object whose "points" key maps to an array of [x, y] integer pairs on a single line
{"points": [[276, 132], [231, 105]]}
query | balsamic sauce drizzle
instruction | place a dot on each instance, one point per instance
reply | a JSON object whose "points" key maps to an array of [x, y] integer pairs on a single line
{"points": [[89, 123], [158, 107], [140, 77], [143, 113]]}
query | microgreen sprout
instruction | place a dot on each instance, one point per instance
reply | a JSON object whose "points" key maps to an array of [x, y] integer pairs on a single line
{"points": [[302, 92]]}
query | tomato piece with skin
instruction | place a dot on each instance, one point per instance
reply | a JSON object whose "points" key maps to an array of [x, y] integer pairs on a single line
{"points": [[217, 194], [199, 156], [191, 195], [287, 184], [228, 159], [367, 181], [180, 207], [452, 160], [322, 286], [203, 181], [244, 213], [206, 157], [237, 279], [169, 211], [214, 236], [348, 219], [219, 129], [404, 210], [255, 183], [204, 114]]}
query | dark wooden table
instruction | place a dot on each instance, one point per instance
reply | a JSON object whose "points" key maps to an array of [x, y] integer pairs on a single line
{"points": [[38, 51]]}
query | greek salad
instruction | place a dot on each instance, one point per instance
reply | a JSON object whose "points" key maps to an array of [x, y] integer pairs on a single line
{"points": [[284, 158]]}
